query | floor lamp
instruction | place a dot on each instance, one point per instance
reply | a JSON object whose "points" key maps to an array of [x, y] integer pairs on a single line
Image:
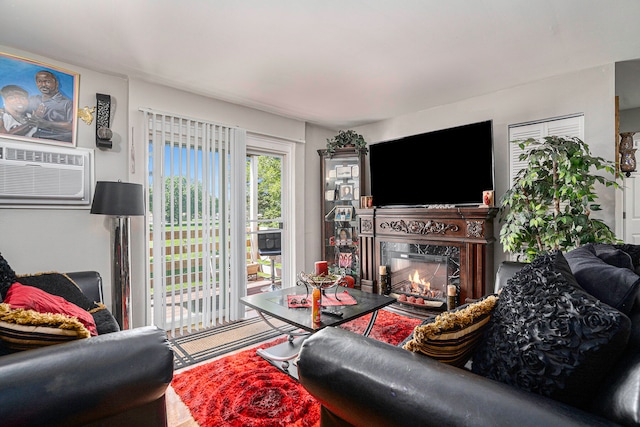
{"points": [[121, 200]]}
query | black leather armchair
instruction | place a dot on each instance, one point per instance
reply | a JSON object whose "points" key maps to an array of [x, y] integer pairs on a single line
{"points": [[363, 382], [116, 379]]}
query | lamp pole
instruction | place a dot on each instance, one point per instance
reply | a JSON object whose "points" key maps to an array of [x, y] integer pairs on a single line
{"points": [[121, 272]]}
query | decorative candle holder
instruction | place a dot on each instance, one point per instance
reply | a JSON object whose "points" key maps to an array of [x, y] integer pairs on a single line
{"points": [[452, 292], [322, 282]]}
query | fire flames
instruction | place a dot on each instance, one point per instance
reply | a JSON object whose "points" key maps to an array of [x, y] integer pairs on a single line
{"points": [[418, 285]]}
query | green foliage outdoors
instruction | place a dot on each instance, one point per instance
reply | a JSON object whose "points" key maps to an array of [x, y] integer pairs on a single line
{"points": [[549, 206], [178, 190], [269, 189]]}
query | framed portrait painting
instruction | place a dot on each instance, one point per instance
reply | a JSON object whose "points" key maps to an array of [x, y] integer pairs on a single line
{"points": [[38, 102]]}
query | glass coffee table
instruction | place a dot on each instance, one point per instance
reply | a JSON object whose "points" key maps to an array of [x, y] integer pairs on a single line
{"points": [[275, 304]]}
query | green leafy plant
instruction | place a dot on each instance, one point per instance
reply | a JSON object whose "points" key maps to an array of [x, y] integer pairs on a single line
{"points": [[346, 138], [549, 206]]}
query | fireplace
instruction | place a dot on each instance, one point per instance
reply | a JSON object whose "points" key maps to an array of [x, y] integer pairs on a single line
{"points": [[444, 245], [419, 274]]}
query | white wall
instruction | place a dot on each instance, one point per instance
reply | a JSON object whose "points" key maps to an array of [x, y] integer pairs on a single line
{"points": [[589, 91]]}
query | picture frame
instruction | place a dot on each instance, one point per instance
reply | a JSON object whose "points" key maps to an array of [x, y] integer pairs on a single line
{"points": [[344, 236], [50, 113], [345, 259], [346, 192], [343, 213], [343, 172], [366, 202]]}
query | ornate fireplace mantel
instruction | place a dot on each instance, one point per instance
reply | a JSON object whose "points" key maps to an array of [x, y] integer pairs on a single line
{"points": [[468, 228]]}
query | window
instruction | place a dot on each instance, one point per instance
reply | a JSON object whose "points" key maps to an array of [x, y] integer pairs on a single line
{"points": [[571, 126]]}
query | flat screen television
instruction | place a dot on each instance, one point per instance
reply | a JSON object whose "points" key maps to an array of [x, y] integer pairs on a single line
{"points": [[446, 167]]}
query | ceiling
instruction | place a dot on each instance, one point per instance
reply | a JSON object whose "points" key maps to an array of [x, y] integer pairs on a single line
{"points": [[334, 63]]}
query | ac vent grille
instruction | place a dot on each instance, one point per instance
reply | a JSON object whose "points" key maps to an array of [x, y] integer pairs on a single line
{"points": [[44, 157], [33, 175]]}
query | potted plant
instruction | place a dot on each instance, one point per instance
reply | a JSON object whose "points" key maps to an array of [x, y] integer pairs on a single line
{"points": [[549, 206], [345, 139]]}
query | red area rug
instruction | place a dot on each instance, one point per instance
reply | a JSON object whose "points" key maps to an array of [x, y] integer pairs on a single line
{"points": [[244, 390]]}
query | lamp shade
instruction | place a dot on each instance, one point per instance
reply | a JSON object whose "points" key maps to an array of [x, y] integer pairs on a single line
{"points": [[118, 199]]}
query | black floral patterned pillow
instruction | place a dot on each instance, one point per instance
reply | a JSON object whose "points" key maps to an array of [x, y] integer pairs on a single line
{"points": [[550, 337]]}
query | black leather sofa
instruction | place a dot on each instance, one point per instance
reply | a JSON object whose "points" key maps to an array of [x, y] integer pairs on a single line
{"points": [[114, 379], [363, 382]]}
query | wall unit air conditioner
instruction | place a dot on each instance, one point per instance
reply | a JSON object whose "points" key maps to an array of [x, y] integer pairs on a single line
{"points": [[36, 174]]}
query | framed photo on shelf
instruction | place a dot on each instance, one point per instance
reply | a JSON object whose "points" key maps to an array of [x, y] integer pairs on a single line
{"points": [[344, 236], [346, 192], [345, 259], [343, 172], [343, 213], [366, 202], [39, 101]]}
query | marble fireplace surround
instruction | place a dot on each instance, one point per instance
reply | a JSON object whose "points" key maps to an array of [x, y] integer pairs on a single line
{"points": [[467, 231]]}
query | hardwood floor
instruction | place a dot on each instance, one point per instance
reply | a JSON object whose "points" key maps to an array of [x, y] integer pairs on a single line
{"points": [[178, 414]]}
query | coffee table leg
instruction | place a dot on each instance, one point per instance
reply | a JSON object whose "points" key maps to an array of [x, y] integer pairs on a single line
{"points": [[280, 355], [374, 316], [273, 358], [291, 334]]}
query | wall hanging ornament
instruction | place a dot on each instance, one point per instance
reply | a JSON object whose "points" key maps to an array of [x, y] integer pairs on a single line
{"points": [[627, 153]]}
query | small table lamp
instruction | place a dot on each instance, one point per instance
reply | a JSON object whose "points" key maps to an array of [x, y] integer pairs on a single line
{"points": [[120, 200]]}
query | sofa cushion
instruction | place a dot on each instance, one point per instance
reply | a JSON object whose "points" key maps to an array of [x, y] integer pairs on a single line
{"points": [[452, 336], [22, 329], [549, 336], [61, 285], [30, 298], [606, 273]]}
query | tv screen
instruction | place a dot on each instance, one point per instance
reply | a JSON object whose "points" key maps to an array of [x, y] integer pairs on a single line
{"points": [[445, 167]]}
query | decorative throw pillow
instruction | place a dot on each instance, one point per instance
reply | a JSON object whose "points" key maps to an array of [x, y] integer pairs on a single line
{"points": [[7, 276], [61, 285], [548, 336], [611, 284], [611, 255], [22, 329], [633, 251], [30, 298], [58, 284], [452, 336]]}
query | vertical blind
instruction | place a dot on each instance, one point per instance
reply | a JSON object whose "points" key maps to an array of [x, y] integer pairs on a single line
{"points": [[568, 126], [196, 196]]}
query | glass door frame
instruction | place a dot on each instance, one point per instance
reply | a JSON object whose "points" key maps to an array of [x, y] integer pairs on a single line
{"points": [[272, 146]]}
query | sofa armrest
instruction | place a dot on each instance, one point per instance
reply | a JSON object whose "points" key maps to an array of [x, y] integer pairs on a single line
{"points": [[506, 270], [83, 381], [90, 283], [369, 383]]}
